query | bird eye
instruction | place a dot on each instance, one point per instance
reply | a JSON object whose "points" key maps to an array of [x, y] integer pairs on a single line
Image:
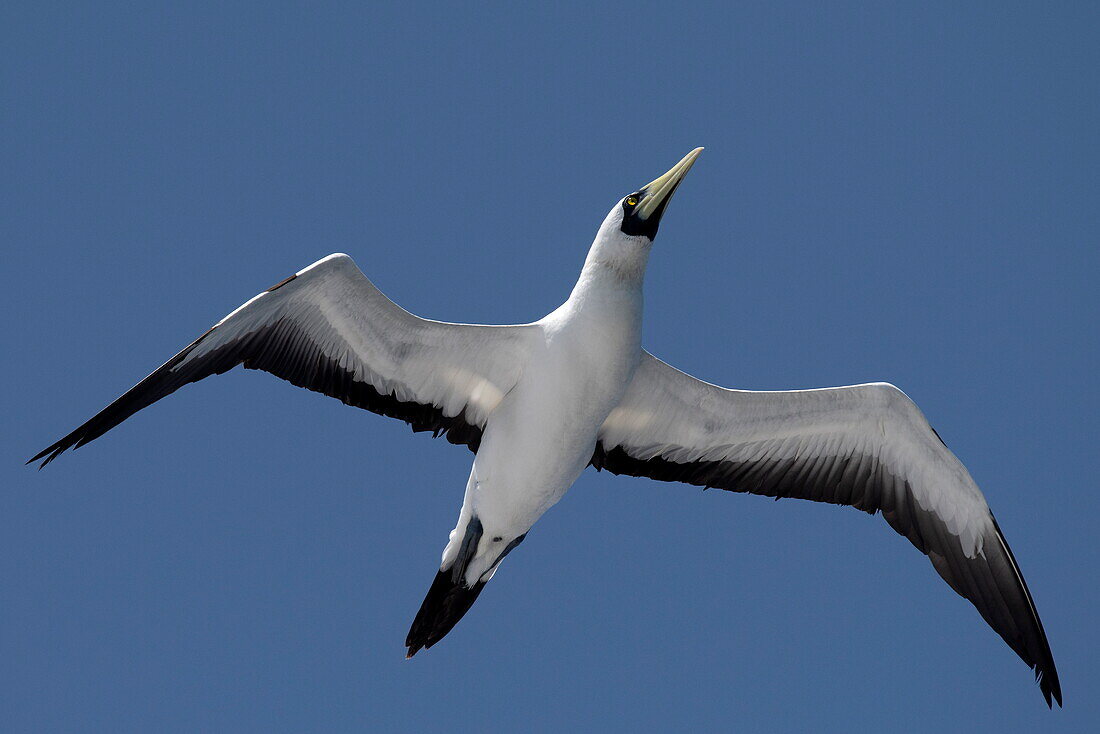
{"points": [[631, 201]]}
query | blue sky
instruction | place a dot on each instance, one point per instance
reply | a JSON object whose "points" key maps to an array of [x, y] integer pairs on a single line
{"points": [[889, 192]]}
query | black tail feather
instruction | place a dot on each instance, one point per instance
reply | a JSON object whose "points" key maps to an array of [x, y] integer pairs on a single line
{"points": [[447, 601], [449, 597]]}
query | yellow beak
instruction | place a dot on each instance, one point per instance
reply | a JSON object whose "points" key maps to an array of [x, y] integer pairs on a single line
{"points": [[657, 193]]}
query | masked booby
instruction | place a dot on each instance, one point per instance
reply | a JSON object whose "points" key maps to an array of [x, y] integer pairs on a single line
{"points": [[539, 402]]}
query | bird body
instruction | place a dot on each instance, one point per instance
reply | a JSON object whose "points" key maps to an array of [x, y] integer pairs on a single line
{"points": [[582, 357], [539, 402]]}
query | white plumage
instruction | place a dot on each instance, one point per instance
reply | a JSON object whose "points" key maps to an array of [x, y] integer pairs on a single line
{"points": [[539, 402]]}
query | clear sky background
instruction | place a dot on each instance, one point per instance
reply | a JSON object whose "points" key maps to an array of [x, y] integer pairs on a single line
{"points": [[899, 192]]}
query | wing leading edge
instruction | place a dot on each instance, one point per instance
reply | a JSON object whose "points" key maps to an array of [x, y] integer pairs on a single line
{"points": [[867, 446], [327, 328]]}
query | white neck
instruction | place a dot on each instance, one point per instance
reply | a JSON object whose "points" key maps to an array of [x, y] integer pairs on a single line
{"points": [[616, 261]]}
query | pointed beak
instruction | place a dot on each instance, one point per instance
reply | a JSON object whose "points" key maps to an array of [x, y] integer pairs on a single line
{"points": [[656, 194]]}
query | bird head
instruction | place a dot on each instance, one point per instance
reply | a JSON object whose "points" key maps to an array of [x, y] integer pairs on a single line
{"points": [[642, 210], [630, 227]]}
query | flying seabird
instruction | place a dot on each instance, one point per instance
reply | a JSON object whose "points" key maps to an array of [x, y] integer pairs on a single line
{"points": [[539, 402]]}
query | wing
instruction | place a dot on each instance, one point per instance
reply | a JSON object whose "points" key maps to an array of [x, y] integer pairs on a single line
{"points": [[867, 446], [328, 329]]}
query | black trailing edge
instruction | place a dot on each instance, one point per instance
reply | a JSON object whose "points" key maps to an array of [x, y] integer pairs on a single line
{"points": [[991, 580], [286, 351]]}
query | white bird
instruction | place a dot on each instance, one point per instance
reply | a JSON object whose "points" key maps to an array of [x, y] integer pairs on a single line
{"points": [[539, 402]]}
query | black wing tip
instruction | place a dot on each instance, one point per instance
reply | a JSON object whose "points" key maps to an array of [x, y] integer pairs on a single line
{"points": [[1046, 674], [447, 602], [1049, 685], [74, 440], [50, 453], [906, 517]]}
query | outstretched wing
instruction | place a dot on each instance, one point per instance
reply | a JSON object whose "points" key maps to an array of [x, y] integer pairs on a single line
{"points": [[867, 446], [328, 329]]}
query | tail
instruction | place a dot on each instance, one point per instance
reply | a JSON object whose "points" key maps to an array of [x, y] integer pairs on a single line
{"points": [[449, 597], [447, 601]]}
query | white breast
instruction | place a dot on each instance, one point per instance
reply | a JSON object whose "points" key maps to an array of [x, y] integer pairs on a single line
{"points": [[543, 434]]}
